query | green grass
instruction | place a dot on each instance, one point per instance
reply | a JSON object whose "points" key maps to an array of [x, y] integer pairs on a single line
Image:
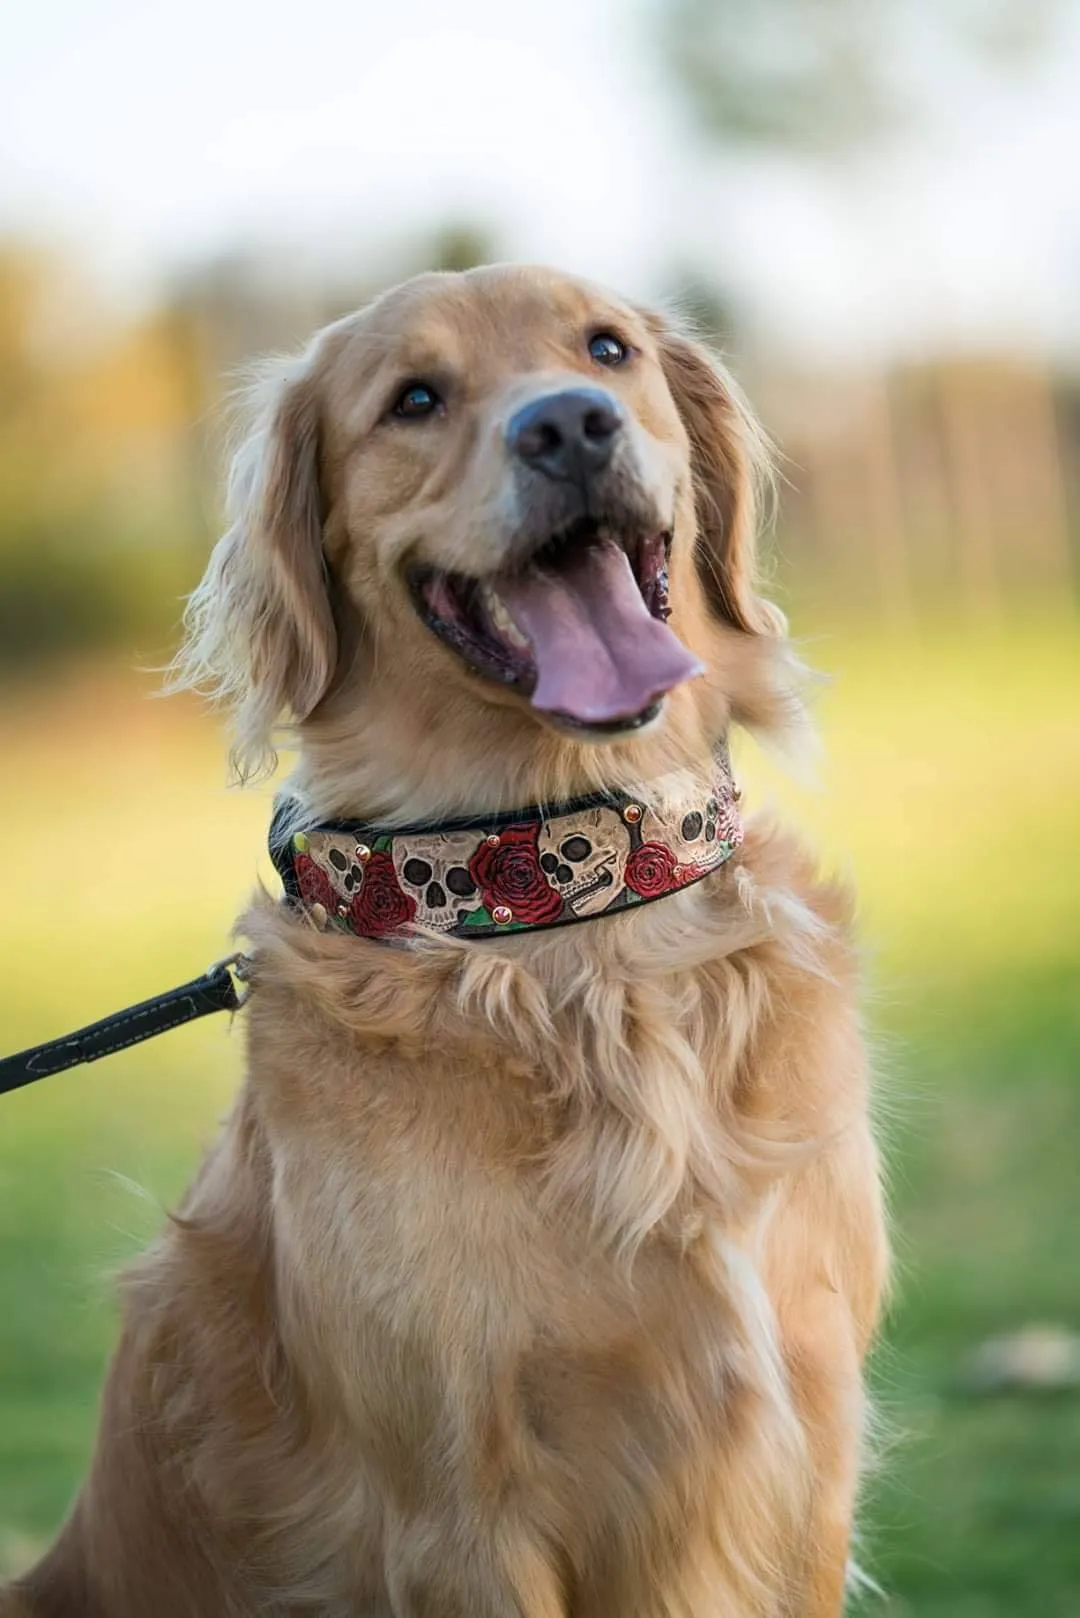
{"points": [[952, 789]]}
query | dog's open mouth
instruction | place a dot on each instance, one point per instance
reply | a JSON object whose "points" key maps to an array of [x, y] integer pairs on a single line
{"points": [[581, 628]]}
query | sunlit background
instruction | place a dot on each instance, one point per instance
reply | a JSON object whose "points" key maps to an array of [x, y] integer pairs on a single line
{"points": [[873, 210]]}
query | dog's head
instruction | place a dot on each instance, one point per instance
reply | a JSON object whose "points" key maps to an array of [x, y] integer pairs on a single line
{"points": [[506, 493]]}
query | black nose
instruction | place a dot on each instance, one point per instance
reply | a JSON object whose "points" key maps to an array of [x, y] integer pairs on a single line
{"points": [[566, 435]]}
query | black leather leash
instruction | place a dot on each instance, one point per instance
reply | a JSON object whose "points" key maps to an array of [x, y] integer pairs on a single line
{"points": [[214, 991]]}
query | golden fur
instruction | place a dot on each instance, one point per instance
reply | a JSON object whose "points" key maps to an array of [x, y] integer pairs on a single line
{"points": [[529, 1278]]}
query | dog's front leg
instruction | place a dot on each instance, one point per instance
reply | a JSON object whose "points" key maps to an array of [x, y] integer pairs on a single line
{"points": [[454, 1569], [828, 1269]]}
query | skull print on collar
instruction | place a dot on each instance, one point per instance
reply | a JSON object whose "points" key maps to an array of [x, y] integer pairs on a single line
{"points": [[505, 873]]}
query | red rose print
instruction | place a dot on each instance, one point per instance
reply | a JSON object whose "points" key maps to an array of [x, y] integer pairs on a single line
{"points": [[380, 907], [650, 870], [508, 873], [314, 884]]}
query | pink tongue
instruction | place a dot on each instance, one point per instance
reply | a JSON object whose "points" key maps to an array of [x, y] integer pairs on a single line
{"points": [[599, 652]]}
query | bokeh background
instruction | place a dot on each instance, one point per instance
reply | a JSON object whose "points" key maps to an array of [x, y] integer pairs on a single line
{"points": [[871, 205]]}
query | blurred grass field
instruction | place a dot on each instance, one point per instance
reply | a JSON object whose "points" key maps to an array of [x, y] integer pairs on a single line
{"points": [[951, 788]]}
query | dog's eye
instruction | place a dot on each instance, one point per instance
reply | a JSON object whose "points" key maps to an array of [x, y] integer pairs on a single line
{"points": [[607, 350], [416, 401]]}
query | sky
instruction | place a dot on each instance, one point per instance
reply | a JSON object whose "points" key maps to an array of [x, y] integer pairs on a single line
{"points": [[146, 136]]}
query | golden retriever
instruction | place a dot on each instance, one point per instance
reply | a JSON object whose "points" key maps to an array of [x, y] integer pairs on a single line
{"points": [[531, 1277]]}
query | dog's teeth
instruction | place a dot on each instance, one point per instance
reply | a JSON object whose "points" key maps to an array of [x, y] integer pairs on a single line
{"points": [[502, 620]]}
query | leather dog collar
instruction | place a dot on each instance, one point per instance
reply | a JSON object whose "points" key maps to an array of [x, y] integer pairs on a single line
{"points": [[506, 873]]}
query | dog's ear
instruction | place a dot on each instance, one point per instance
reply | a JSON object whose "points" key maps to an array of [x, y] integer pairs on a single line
{"points": [[260, 628], [729, 457]]}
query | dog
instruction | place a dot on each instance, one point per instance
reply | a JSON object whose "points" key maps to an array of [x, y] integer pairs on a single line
{"points": [[534, 1271]]}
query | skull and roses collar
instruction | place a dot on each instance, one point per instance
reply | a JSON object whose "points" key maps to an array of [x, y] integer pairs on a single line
{"points": [[525, 870]]}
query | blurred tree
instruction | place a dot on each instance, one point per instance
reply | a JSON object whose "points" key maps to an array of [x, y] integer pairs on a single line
{"points": [[460, 246], [18, 275], [90, 413], [819, 80], [823, 75], [27, 281], [707, 308]]}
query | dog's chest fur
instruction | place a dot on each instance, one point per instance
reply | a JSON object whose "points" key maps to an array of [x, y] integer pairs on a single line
{"points": [[504, 1227]]}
